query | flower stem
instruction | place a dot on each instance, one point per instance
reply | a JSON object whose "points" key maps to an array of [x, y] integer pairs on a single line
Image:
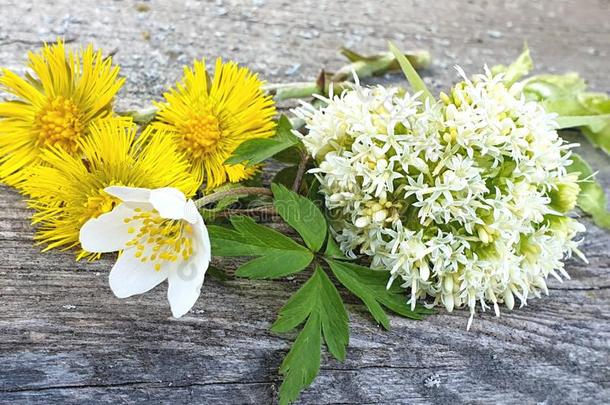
{"points": [[141, 117], [363, 66], [298, 179], [266, 211], [239, 191], [285, 91]]}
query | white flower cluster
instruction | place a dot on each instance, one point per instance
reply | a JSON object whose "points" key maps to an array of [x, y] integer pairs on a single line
{"points": [[463, 200]]}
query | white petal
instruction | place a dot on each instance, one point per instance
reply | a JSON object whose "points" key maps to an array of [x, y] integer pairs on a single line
{"points": [[185, 284], [130, 276], [129, 194], [191, 214], [170, 202], [202, 246], [108, 232]]}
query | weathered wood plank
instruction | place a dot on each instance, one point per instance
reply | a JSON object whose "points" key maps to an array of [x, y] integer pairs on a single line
{"points": [[65, 337]]}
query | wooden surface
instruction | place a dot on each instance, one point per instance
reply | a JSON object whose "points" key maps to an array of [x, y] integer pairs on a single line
{"points": [[65, 338]]}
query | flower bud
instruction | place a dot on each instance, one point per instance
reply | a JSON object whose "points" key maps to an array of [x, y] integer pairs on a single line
{"points": [[424, 271], [362, 222], [483, 235], [448, 284], [563, 199], [448, 302], [509, 299], [380, 215], [335, 197]]}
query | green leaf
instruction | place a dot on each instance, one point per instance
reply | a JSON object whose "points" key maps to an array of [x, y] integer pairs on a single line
{"points": [[353, 56], [319, 302], [285, 176], [332, 250], [301, 214], [416, 82], [278, 255], [516, 70], [228, 242], [373, 65], [371, 287], [209, 214], [255, 151], [592, 198], [334, 317], [262, 235], [216, 273], [547, 87], [302, 363], [291, 155], [275, 264], [594, 122], [314, 194], [565, 95], [298, 307]]}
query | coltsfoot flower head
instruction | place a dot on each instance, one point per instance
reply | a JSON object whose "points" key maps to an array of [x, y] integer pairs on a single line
{"points": [[160, 235], [66, 191], [462, 200], [54, 107], [209, 119]]}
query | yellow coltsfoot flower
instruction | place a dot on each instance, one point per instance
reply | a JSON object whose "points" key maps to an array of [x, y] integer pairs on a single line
{"points": [[66, 191], [161, 236], [210, 118], [54, 106]]}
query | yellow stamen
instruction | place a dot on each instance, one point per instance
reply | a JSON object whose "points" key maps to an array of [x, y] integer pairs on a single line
{"points": [[60, 123], [200, 134], [166, 239]]}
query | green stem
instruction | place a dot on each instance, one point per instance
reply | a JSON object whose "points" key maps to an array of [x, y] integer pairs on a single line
{"points": [[379, 64], [296, 186], [239, 191], [285, 91], [269, 211], [364, 67], [141, 117]]}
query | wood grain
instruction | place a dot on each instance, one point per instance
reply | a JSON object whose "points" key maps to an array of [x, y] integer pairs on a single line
{"points": [[65, 338]]}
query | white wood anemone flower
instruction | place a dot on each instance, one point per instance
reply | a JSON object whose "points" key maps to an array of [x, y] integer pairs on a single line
{"points": [[161, 236]]}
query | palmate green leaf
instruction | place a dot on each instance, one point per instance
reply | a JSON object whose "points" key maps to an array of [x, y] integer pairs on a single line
{"points": [[230, 243], [592, 198], [319, 302], [332, 250], [275, 264], [370, 287], [255, 151], [278, 254], [413, 78], [302, 363], [301, 214], [263, 235]]}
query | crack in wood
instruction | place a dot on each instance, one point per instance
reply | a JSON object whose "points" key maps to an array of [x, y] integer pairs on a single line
{"points": [[147, 384]]}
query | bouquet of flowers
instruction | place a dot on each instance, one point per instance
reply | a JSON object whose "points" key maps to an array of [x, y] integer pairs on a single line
{"points": [[407, 200]]}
